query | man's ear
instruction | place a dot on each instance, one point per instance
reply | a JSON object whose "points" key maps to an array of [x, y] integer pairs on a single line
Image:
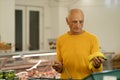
{"points": [[67, 21]]}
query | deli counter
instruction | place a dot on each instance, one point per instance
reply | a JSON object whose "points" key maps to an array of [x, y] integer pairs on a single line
{"points": [[29, 64]]}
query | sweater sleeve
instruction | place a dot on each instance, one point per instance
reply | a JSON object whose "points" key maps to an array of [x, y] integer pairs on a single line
{"points": [[95, 45], [94, 49], [58, 56]]}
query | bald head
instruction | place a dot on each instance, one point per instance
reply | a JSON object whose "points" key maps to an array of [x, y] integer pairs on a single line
{"points": [[73, 12], [75, 20]]}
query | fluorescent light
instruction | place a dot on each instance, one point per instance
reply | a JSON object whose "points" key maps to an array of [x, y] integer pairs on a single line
{"points": [[43, 54], [31, 55], [18, 56]]}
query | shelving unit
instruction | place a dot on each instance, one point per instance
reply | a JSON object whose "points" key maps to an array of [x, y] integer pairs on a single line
{"points": [[20, 61]]}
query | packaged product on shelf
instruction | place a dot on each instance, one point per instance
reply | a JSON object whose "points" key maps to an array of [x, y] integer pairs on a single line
{"points": [[9, 74], [116, 61], [1, 74]]}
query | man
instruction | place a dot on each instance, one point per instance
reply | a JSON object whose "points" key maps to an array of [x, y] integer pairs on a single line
{"points": [[74, 48]]}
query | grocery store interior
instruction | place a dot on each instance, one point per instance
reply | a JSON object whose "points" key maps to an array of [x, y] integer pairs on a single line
{"points": [[29, 29]]}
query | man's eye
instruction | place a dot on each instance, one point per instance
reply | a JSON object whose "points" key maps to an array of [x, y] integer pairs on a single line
{"points": [[80, 22], [74, 22]]}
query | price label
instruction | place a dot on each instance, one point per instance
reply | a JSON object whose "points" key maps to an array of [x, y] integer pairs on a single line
{"points": [[109, 78]]}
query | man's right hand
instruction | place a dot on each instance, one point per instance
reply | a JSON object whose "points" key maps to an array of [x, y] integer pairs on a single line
{"points": [[57, 66], [97, 61]]}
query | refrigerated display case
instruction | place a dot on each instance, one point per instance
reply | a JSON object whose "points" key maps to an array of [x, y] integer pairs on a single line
{"points": [[107, 65], [104, 75], [29, 64]]}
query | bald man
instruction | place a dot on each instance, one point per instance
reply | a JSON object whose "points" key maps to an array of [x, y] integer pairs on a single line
{"points": [[74, 47]]}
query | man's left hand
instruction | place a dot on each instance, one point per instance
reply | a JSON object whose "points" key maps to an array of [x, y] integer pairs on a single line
{"points": [[97, 61]]}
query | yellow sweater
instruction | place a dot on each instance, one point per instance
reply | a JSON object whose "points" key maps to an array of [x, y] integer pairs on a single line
{"points": [[73, 51]]}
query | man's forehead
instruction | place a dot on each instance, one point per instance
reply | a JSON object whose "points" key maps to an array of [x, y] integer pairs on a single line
{"points": [[75, 11], [77, 18]]}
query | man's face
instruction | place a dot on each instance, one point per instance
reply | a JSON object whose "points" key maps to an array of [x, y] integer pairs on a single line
{"points": [[75, 22]]}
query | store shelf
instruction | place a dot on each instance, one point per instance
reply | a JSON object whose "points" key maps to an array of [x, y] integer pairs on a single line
{"points": [[27, 60], [25, 52]]}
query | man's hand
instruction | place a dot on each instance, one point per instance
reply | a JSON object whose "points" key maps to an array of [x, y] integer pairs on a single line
{"points": [[57, 66], [97, 61]]}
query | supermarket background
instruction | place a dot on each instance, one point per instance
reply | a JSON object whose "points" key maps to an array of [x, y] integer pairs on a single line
{"points": [[20, 50]]}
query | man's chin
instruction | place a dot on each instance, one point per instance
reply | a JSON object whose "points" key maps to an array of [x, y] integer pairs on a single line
{"points": [[77, 32]]}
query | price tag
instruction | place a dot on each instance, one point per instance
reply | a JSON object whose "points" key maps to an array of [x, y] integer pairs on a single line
{"points": [[109, 78]]}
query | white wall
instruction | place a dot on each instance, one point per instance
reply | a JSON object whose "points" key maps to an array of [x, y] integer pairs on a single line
{"points": [[104, 22], [7, 20], [50, 17], [101, 18]]}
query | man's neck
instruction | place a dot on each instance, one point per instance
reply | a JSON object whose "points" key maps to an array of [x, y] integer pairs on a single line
{"points": [[77, 33]]}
